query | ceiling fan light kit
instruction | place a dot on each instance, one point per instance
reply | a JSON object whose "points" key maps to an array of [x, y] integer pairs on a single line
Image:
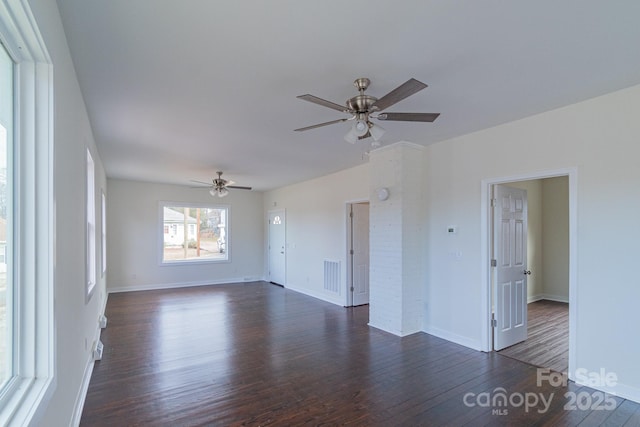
{"points": [[219, 187], [365, 107], [376, 131], [220, 192]]}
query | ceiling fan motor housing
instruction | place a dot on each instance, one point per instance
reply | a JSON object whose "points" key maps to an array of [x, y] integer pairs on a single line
{"points": [[361, 103]]}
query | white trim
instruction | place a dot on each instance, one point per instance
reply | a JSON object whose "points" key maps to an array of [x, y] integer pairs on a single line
{"points": [[621, 390], [485, 252], [396, 333], [330, 298], [548, 297], [86, 377], [31, 389], [156, 286], [82, 392], [455, 338]]}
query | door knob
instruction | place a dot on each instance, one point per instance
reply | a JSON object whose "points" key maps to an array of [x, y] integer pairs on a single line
{"points": [[527, 272]]}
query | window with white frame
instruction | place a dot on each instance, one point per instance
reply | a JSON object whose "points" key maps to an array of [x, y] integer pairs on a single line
{"points": [[104, 234], [6, 217], [194, 232], [91, 225], [26, 212]]}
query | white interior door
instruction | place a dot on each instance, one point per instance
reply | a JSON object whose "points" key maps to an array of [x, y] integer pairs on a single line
{"points": [[360, 253], [510, 255], [277, 247]]}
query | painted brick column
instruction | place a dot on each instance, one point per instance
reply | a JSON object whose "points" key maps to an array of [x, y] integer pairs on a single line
{"points": [[397, 238]]}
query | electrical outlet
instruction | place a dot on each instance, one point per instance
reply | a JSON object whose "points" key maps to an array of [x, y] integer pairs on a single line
{"points": [[98, 348]]}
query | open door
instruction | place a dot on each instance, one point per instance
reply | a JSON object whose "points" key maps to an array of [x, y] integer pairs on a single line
{"points": [[510, 266], [359, 253]]}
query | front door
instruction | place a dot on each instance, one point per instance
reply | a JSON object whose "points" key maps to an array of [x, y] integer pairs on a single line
{"points": [[510, 266], [360, 253], [277, 244]]}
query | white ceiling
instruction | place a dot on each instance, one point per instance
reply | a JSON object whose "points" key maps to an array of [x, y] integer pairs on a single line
{"points": [[176, 90]]}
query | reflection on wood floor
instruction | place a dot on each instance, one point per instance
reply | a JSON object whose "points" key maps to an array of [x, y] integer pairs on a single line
{"points": [[547, 343], [255, 354]]}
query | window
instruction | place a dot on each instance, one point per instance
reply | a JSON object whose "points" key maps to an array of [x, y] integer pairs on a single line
{"points": [[104, 234], [91, 225], [26, 217], [6, 220], [194, 233]]}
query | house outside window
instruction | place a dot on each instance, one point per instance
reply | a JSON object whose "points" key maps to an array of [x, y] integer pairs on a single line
{"points": [[194, 233]]}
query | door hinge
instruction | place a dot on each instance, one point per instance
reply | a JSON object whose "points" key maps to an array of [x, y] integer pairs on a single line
{"points": [[494, 322], [351, 214], [494, 202], [352, 289], [494, 263], [351, 252]]}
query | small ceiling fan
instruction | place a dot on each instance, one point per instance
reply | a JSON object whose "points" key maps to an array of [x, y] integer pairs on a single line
{"points": [[219, 186], [365, 107]]}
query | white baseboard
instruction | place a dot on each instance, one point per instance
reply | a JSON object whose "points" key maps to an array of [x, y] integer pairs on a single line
{"points": [[620, 390], [534, 298], [88, 371], [86, 379], [550, 297], [454, 338], [150, 287], [396, 333], [382, 328], [82, 393], [337, 300]]}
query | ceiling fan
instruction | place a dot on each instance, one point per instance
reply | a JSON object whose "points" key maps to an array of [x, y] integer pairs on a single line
{"points": [[365, 107], [219, 186]]}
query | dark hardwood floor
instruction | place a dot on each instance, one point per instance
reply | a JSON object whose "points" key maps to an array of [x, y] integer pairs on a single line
{"points": [[256, 354], [547, 343]]}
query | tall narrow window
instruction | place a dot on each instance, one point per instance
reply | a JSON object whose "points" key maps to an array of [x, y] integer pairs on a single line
{"points": [[104, 234], [27, 238], [6, 215], [91, 225]]}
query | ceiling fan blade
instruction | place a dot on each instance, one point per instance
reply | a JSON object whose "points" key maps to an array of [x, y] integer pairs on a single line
{"points": [[323, 102], [403, 91], [320, 125], [408, 117], [208, 184], [237, 187]]}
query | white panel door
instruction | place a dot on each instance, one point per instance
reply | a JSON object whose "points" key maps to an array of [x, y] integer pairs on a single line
{"points": [[360, 257], [277, 245], [510, 253]]}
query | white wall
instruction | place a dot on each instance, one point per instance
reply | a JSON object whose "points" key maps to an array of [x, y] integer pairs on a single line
{"points": [[397, 235], [76, 321], [601, 139], [555, 237], [316, 230], [134, 233]]}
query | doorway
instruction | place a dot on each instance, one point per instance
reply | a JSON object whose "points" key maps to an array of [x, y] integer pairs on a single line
{"points": [[277, 247], [540, 254], [545, 302], [358, 253]]}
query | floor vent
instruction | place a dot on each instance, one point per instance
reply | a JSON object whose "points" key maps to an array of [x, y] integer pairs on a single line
{"points": [[332, 276]]}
